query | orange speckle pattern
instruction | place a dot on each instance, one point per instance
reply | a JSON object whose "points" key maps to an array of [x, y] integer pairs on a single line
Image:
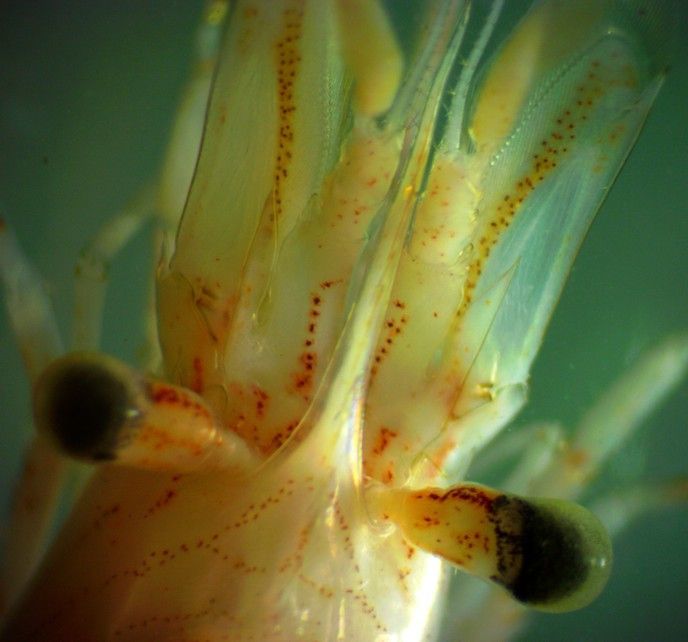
{"points": [[288, 61], [545, 159], [303, 378], [392, 330]]}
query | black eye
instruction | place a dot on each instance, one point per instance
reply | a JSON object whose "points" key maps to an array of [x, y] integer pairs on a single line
{"points": [[562, 552], [84, 404]]}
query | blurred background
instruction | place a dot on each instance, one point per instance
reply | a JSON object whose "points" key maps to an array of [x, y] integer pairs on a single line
{"points": [[87, 95]]}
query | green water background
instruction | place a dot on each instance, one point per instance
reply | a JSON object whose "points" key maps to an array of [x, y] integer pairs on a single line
{"points": [[87, 94]]}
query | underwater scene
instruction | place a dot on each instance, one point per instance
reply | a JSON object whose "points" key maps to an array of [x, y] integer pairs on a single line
{"points": [[89, 94]]}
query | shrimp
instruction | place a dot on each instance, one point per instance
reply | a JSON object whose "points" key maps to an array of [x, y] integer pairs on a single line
{"points": [[346, 317]]}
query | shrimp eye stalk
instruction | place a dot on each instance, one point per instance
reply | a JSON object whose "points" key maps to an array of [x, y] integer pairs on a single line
{"points": [[549, 554], [96, 409]]}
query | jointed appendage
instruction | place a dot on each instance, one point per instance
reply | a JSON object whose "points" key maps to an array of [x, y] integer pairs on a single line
{"points": [[34, 504], [46, 468], [558, 463]]}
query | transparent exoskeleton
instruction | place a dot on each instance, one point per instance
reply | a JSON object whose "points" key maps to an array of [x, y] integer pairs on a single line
{"points": [[378, 219]]}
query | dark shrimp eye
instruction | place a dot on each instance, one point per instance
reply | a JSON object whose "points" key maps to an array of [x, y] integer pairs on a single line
{"points": [[562, 552], [95, 408], [83, 403], [550, 554]]}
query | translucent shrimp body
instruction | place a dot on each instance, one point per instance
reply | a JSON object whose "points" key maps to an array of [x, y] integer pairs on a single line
{"points": [[371, 248]]}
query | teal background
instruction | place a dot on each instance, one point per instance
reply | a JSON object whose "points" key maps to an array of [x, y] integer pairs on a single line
{"points": [[87, 94]]}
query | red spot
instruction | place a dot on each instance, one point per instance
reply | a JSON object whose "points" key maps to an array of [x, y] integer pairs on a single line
{"points": [[383, 440], [197, 382], [164, 394], [262, 399], [165, 498], [470, 495]]}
